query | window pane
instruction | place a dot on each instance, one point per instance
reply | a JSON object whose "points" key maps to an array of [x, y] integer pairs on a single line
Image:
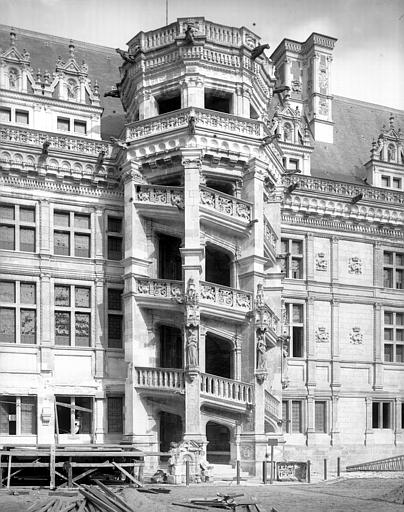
{"points": [[7, 212], [27, 214], [5, 115], [284, 246], [388, 334], [297, 266], [388, 258], [80, 127], [82, 246], [320, 425], [28, 325], [83, 419], [399, 335], [61, 219], [400, 260], [21, 116], [385, 181], [28, 415], [82, 299], [388, 353], [388, 278], [82, 221], [8, 412], [399, 279], [82, 330], [399, 318], [375, 415], [284, 416], [7, 291], [115, 331], [7, 239], [114, 224], [7, 325], [62, 295], [297, 345], [296, 416], [63, 124], [386, 415], [27, 239], [62, 328], [297, 247], [115, 414], [61, 243], [388, 318], [400, 353], [114, 299], [28, 293], [396, 183], [114, 248], [297, 313]]}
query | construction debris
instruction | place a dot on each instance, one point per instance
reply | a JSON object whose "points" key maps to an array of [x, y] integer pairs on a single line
{"points": [[395, 496]]}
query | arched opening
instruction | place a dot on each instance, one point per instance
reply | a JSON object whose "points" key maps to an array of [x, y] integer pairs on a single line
{"points": [[171, 430], [218, 449], [170, 353], [217, 266], [218, 357], [220, 186], [169, 260]]}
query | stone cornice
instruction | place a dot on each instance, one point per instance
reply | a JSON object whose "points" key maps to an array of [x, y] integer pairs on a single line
{"points": [[341, 224]]}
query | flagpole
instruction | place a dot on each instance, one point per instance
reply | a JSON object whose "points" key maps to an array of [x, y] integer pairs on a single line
{"points": [[166, 12]]}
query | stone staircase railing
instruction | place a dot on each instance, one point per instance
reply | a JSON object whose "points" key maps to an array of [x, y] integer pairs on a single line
{"points": [[225, 204], [160, 195], [238, 300], [227, 389], [159, 378], [159, 288], [272, 405]]}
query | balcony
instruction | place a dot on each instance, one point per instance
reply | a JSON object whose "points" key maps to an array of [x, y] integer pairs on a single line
{"points": [[163, 379], [218, 389], [217, 300], [205, 121], [159, 201], [224, 211], [165, 291]]}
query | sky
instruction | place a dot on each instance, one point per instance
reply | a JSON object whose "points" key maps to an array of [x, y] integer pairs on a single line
{"points": [[368, 57]]}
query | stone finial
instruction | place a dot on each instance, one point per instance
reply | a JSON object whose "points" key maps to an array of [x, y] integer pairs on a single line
{"points": [[13, 36], [391, 121], [71, 49]]}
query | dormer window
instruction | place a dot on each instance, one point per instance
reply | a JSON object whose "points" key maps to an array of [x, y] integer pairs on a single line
{"points": [[80, 127], [5, 115], [63, 124], [397, 183], [22, 117], [386, 181]]}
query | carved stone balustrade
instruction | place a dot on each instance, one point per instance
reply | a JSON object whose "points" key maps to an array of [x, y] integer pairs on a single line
{"points": [[225, 297], [159, 288], [227, 389], [226, 204], [57, 142], [203, 118], [159, 195], [349, 190], [159, 378], [272, 405]]}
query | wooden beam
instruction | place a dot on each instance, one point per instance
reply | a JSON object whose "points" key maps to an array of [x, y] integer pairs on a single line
{"points": [[116, 498], [124, 472], [86, 473], [75, 407], [12, 474], [52, 460]]}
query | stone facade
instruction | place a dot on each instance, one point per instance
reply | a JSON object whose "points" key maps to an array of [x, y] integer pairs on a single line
{"points": [[189, 280]]}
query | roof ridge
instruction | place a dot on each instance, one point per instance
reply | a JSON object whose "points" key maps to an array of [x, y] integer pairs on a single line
{"points": [[59, 39]]}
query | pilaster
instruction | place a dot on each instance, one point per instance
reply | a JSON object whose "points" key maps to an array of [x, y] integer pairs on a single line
{"points": [[369, 437], [335, 349], [377, 347], [310, 256]]}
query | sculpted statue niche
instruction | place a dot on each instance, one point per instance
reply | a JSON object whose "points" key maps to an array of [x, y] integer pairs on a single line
{"points": [[192, 347]]}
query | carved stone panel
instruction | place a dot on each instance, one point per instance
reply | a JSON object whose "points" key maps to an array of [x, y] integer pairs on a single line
{"points": [[356, 336], [355, 265], [321, 262], [322, 335]]}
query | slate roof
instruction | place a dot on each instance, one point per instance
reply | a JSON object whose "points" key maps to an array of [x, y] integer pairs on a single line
{"points": [[356, 123]]}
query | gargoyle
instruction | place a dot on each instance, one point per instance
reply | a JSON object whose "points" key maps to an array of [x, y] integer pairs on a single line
{"points": [[114, 93], [258, 50], [118, 142], [126, 56]]}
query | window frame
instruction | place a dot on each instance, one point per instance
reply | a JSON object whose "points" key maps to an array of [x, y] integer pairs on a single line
{"points": [[19, 416], [73, 310], [290, 325], [380, 414], [326, 423], [72, 231], [109, 397], [289, 257], [288, 421], [18, 225], [112, 312], [394, 327], [72, 409], [114, 235], [18, 307], [393, 268]]}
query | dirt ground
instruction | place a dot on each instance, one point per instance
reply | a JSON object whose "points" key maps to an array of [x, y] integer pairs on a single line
{"points": [[342, 495]]}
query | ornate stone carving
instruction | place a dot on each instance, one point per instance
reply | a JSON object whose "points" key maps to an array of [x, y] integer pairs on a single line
{"points": [[191, 301], [356, 336], [323, 107], [355, 265], [192, 347], [321, 262], [322, 335]]}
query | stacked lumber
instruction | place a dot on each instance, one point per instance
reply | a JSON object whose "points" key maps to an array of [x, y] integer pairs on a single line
{"points": [[59, 505]]}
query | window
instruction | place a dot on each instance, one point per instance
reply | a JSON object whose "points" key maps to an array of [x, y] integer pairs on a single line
{"points": [[72, 234], [114, 318], [293, 164], [292, 258], [294, 325], [169, 103], [17, 312], [115, 414], [80, 127], [17, 228], [63, 124], [21, 116], [18, 415], [381, 415], [393, 337], [218, 100], [114, 238], [72, 316], [385, 181], [74, 415], [5, 115], [292, 420], [320, 418], [397, 183], [393, 270]]}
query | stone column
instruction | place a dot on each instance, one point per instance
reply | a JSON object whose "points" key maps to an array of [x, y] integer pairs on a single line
{"points": [[193, 92], [378, 277], [368, 437], [237, 357], [311, 430], [135, 333], [192, 254], [378, 349], [335, 430], [99, 415], [334, 259], [310, 256], [44, 227]]}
